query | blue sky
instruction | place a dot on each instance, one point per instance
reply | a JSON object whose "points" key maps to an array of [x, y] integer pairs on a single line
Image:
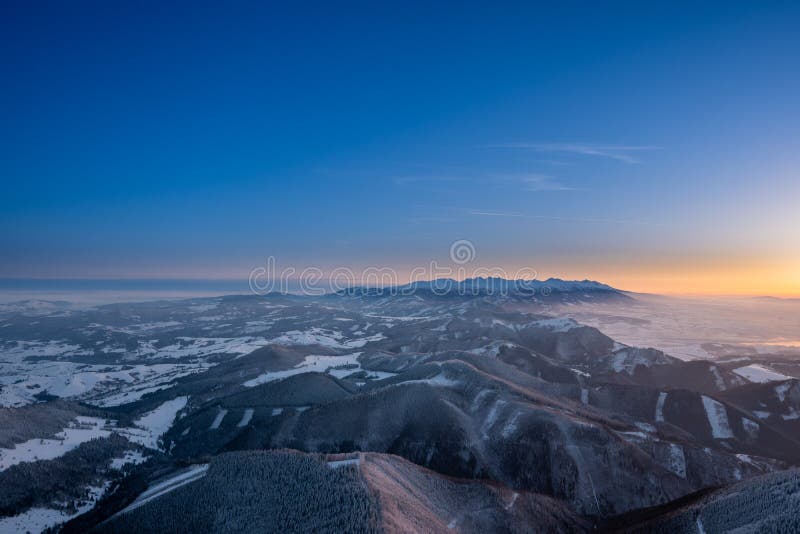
{"points": [[649, 146]]}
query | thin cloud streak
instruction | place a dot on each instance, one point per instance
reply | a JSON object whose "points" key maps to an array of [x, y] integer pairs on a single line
{"points": [[542, 182], [528, 181], [616, 152], [410, 179], [566, 219]]}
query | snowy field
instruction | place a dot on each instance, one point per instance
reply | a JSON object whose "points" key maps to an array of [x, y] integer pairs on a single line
{"points": [[150, 427], [81, 430], [325, 338], [30, 368], [146, 431], [36, 520], [759, 373], [338, 366]]}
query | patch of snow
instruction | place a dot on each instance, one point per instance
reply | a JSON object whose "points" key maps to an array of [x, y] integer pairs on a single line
{"points": [[492, 416], [210, 318], [751, 427], [325, 338], [761, 414], [492, 349], [636, 435], [513, 500], [759, 373], [584, 396], [441, 380], [376, 375], [477, 401], [277, 411], [151, 426], [339, 463], [239, 346], [146, 327], [401, 318], [557, 324], [782, 390], [717, 378], [500, 322], [717, 418], [662, 398], [76, 384], [344, 372], [511, 425], [699, 523], [246, 417], [581, 373], [255, 327], [126, 397], [746, 458], [627, 360], [677, 460], [442, 327], [195, 472], [38, 349], [647, 427], [218, 419], [204, 307], [793, 414], [129, 457], [311, 364]]}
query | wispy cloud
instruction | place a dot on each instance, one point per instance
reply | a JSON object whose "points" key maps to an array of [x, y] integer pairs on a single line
{"points": [[624, 153], [412, 179], [524, 181], [543, 182], [555, 218]]}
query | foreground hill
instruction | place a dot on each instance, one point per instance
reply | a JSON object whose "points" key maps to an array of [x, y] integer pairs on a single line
{"points": [[288, 491], [768, 503]]}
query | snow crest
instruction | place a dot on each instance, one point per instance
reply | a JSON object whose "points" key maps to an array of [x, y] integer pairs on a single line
{"points": [[662, 398]]}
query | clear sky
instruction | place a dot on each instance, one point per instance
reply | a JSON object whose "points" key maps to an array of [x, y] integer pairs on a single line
{"points": [[653, 147]]}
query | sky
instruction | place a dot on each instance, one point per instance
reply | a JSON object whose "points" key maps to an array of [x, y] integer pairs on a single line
{"points": [[652, 146]]}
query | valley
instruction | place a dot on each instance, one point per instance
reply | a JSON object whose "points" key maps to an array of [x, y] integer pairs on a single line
{"points": [[423, 411]]}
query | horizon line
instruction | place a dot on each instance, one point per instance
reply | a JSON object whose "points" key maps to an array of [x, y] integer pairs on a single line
{"points": [[244, 280]]}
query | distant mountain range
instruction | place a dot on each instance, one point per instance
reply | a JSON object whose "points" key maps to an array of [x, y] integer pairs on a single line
{"points": [[552, 289]]}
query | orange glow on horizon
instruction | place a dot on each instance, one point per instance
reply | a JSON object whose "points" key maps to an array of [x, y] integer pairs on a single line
{"points": [[741, 280], [764, 275], [684, 276]]}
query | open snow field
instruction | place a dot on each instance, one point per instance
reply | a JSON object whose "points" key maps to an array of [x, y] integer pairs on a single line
{"points": [[81, 430]]}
